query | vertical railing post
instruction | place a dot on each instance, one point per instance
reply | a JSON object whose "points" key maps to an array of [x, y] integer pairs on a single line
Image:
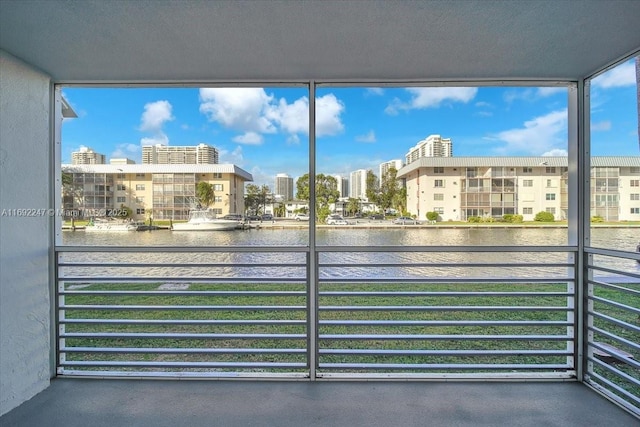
{"points": [[312, 260]]}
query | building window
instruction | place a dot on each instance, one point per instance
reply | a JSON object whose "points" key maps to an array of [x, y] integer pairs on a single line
{"points": [[527, 170], [550, 196], [635, 210], [218, 187], [527, 211], [635, 182], [527, 183], [551, 210], [634, 170], [438, 196], [120, 176], [217, 175], [439, 210], [217, 199], [438, 170], [217, 211], [140, 175], [551, 169], [121, 199], [140, 211], [121, 187], [438, 183], [139, 187], [550, 183], [139, 200]]}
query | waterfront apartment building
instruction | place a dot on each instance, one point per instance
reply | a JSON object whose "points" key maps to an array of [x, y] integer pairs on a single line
{"points": [[170, 155], [358, 184], [461, 187], [161, 192], [284, 186], [431, 146], [86, 156]]}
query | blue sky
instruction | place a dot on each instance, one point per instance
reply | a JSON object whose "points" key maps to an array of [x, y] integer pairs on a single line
{"points": [[264, 130]]}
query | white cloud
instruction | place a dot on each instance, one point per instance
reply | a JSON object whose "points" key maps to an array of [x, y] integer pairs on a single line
{"points": [[155, 115], [601, 126], [531, 94], [375, 91], [161, 139], [235, 157], [544, 92], [328, 110], [368, 137], [483, 104], [130, 151], [241, 109], [249, 138], [622, 75], [252, 111], [431, 97], [541, 134], [556, 152]]}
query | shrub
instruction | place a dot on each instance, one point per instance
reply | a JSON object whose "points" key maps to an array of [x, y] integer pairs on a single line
{"points": [[544, 217], [432, 216], [597, 218], [513, 218], [474, 219]]}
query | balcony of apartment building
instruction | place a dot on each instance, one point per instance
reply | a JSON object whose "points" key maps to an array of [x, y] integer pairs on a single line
{"points": [[314, 334]]}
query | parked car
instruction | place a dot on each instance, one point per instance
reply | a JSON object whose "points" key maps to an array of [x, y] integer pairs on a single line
{"points": [[376, 216], [254, 217], [302, 217], [267, 217], [405, 220], [336, 220], [234, 217]]}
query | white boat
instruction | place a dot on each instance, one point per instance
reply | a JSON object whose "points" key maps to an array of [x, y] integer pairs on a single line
{"points": [[111, 225], [205, 220]]}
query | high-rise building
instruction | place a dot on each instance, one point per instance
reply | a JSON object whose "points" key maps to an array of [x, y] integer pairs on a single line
{"points": [[384, 167], [284, 186], [86, 156], [358, 184], [172, 155], [431, 146], [343, 186]]}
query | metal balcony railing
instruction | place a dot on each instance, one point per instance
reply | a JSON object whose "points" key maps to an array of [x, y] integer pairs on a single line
{"points": [[613, 325]]}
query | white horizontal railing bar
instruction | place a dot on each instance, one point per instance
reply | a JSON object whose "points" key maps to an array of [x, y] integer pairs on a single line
{"points": [[174, 350], [446, 294], [181, 279], [612, 252], [614, 386], [436, 337], [440, 308], [382, 352], [159, 335], [140, 364], [178, 265], [615, 321], [615, 355], [182, 249], [615, 287], [182, 374], [613, 369], [614, 271], [447, 264], [437, 366], [181, 322], [621, 340], [448, 249], [445, 323], [184, 307], [457, 279], [615, 304], [184, 293]]}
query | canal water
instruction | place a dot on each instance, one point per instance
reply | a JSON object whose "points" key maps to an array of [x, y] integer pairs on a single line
{"points": [[611, 238]]}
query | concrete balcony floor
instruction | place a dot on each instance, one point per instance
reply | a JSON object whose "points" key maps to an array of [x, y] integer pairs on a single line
{"points": [[158, 403]]}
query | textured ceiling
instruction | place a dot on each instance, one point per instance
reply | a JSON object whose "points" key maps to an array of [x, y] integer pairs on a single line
{"points": [[199, 41]]}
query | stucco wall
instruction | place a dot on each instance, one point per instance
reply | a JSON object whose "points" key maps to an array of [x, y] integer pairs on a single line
{"points": [[24, 241]]}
